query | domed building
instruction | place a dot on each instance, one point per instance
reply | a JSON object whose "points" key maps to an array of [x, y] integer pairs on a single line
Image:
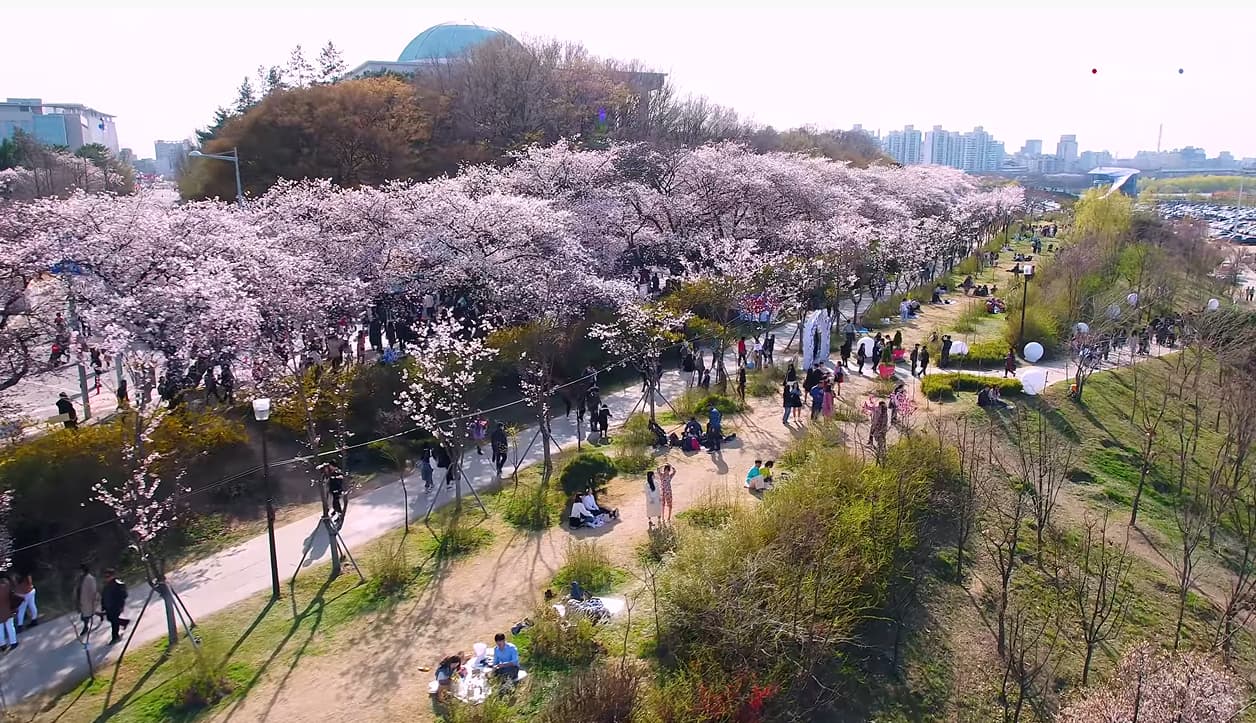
{"points": [[438, 44]]}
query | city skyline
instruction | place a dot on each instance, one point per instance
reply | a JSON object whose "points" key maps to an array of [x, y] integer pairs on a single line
{"points": [[175, 68]]}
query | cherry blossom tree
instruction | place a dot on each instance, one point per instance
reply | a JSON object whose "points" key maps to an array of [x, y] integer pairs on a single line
{"points": [[439, 383], [641, 334], [1153, 686], [145, 504]]}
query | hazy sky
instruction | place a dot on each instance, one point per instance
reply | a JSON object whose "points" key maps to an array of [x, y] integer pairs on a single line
{"points": [[1021, 70]]}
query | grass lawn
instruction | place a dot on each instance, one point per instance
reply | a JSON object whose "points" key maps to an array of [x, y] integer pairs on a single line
{"points": [[1110, 445]]}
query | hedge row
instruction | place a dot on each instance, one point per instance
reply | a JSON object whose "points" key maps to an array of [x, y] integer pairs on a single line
{"points": [[937, 386]]}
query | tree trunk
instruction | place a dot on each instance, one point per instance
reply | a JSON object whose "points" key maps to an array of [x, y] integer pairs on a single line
{"points": [[158, 582], [333, 547], [1090, 653], [1138, 492]]}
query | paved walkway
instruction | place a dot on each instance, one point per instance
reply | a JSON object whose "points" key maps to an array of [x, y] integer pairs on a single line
{"points": [[49, 656]]}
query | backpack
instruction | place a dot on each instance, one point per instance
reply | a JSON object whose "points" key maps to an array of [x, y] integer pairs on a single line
{"points": [[692, 444]]}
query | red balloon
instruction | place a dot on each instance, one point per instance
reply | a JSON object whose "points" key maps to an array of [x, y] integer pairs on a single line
{"points": [[1094, 71]]}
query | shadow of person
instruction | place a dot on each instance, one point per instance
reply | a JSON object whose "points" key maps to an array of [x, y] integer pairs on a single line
{"points": [[315, 545]]}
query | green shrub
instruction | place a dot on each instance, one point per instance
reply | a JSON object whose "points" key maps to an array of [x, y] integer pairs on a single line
{"points": [[988, 354], [661, 539], [388, 569], [766, 381], [969, 319], [635, 462], [938, 386], [555, 642], [635, 433], [202, 680], [822, 434], [970, 266], [587, 470], [529, 507], [601, 694], [493, 709], [458, 539], [697, 403], [633, 443], [712, 511], [588, 565], [835, 528], [1040, 326]]}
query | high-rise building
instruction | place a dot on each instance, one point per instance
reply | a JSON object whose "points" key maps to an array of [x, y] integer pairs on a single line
{"points": [[72, 125], [980, 152], [1032, 147], [903, 146], [944, 148], [1066, 152], [170, 157]]}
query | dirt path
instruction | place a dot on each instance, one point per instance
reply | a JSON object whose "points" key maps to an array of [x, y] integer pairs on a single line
{"points": [[373, 673]]}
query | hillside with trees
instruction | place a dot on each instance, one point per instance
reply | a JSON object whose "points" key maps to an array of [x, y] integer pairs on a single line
{"points": [[300, 121]]}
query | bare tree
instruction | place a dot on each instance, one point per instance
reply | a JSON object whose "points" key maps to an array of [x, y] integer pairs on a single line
{"points": [[1032, 638], [1041, 459], [1234, 463], [1151, 401], [1101, 596], [973, 441], [1005, 515]]}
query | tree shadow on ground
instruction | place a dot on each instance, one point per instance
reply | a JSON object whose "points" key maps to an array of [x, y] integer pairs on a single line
{"points": [[314, 610]]}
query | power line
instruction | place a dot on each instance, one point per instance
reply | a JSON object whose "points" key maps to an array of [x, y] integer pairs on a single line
{"points": [[339, 450]]}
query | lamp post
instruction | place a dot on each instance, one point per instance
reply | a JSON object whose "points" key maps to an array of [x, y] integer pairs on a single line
{"points": [[261, 412], [1027, 273], [234, 158]]}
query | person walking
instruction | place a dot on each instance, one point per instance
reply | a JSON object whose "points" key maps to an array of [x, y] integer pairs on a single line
{"points": [[25, 589], [880, 424], [741, 382], [425, 469], [87, 596], [826, 401], [604, 422], [741, 350], [499, 443], [787, 401], [113, 602], [8, 633], [817, 400], [860, 359], [924, 360], [666, 474], [1009, 363], [915, 358], [769, 348], [66, 407], [479, 432]]}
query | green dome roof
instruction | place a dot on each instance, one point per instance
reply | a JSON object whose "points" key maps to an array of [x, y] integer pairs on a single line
{"points": [[446, 41]]}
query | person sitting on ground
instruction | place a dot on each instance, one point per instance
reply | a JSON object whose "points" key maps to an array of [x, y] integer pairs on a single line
{"points": [[989, 397], [505, 658], [968, 284], [660, 436], [590, 504], [766, 474], [445, 672], [693, 427], [580, 516], [937, 295], [753, 474]]}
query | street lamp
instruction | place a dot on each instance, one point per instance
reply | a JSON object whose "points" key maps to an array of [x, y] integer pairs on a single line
{"points": [[234, 157], [1027, 273], [261, 412]]}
